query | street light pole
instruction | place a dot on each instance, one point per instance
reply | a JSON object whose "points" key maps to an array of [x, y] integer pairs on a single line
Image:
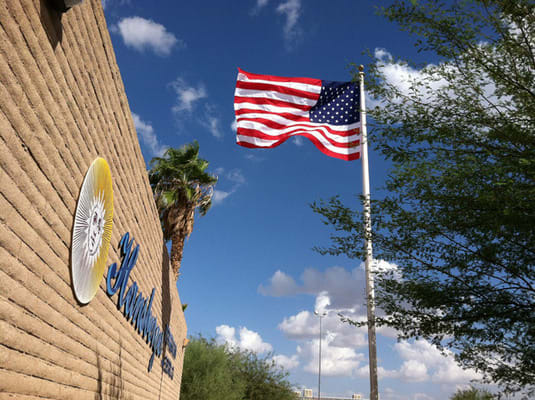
{"points": [[320, 315]]}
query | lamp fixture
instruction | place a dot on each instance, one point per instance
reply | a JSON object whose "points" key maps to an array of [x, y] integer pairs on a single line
{"points": [[62, 6]]}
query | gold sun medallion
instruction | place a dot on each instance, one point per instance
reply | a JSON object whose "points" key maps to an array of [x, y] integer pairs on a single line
{"points": [[92, 231]]}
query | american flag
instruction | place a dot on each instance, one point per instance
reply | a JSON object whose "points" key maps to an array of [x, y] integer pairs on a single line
{"points": [[270, 109]]}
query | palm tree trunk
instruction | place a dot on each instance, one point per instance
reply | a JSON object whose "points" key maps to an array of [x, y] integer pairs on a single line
{"points": [[177, 248], [182, 228]]}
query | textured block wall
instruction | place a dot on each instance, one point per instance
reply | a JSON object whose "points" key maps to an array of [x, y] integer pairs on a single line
{"points": [[62, 104]]}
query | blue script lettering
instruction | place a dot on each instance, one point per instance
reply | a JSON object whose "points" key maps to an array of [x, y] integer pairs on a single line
{"points": [[136, 308]]}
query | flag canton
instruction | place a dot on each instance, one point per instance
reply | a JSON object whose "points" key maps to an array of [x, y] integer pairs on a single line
{"points": [[338, 104]]}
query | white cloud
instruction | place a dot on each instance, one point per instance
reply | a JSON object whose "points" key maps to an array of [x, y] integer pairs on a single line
{"points": [[211, 122], [226, 335], [346, 289], [280, 284], [235, 176], [234, 126], [187, 96], [291, 9], [424, 361], [258, 6], [148, 137], [286, 362], [402, 76], [335, 361], [142, 34], [188, 99], [219, 196], [298, 141], [322, 302], [427, 84], [248, 340], [305, 326], [413, 371]]}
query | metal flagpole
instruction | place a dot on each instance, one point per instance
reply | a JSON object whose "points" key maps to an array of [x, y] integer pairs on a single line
{"points": [[372, 347]]}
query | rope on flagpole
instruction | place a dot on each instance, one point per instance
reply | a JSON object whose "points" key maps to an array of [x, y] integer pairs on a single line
{"points": [[370, 294]]}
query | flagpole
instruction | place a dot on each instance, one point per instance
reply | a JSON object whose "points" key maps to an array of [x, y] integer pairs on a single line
{"points": [[370, 295]]}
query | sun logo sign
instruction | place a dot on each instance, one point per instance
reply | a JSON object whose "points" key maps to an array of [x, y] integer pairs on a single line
{"points": [[92, 231]]}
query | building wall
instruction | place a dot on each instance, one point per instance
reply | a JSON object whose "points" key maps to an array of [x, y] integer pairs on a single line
{"points": [[62, 104]]}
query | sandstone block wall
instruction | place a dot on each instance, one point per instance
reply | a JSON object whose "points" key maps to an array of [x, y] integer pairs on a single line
{"points": [[62, 104]]}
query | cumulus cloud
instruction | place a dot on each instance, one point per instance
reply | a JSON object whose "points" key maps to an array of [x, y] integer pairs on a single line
{"points": [[423, 361], [425, 85], [335, 361], [148, 137], [346, 289], [305, 326], [187, 96], [280, 284], [248, 340], [144, 34], [286, 362]]}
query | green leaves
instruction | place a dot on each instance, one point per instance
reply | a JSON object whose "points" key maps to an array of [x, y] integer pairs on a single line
{"points": [[213, 372], [179, 181], [459, 217]]}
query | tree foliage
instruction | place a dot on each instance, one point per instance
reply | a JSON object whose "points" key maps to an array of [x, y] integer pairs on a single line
{"points": [[181, 185], [208, 373], [472, 394], [459, 214], [214, 371]]}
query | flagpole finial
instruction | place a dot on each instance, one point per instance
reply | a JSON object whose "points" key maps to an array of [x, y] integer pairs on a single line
{"points": [[361, 68]]}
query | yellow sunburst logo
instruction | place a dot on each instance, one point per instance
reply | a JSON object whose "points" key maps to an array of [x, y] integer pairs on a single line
{"points": [[92, 231]]}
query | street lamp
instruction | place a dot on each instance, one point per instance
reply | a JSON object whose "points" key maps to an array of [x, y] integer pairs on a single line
{"points": [[320, 315]]}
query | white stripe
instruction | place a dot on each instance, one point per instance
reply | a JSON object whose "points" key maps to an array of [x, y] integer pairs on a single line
{"points": [[307, 87], [256, 141], [304, 127], [271, 94], [270, 108], [281, 120], [324, 143]]}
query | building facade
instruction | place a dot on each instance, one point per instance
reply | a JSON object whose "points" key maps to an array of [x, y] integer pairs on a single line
{"points": [[64, 112]]}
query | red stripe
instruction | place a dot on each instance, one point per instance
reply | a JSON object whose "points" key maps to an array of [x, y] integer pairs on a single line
{"points": [[279, 103], [276, 125], [261, 135], [347, 157], [293, 117], [309, 81], [276, 88]]}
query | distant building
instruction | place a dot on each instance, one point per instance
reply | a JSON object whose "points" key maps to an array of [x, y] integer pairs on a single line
{"points": [[307, 394]]}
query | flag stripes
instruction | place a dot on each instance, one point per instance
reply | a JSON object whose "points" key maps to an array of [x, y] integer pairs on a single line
{"points": [[271, 109]]}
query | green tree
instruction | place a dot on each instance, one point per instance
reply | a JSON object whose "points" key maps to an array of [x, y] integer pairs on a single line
{"points": [[472, 394], [208, 373], [264, 380], [214, 371], [459, 214], [181, 185]]}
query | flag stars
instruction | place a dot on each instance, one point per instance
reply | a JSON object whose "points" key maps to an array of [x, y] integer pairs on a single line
{"points": [[336, 104]]}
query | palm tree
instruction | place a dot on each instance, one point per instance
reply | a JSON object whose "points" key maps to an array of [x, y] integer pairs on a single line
{"points": [[181, 186]]}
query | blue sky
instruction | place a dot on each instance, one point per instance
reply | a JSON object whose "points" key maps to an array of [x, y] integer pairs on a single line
{"points": [[249, 273]]}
